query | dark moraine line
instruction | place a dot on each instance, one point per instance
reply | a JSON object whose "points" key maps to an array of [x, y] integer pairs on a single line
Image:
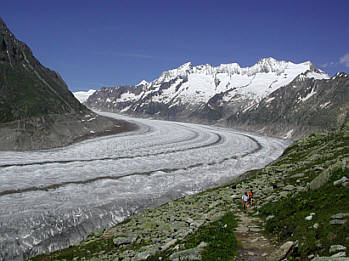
{"points": [[147, 173], [219, 139]]}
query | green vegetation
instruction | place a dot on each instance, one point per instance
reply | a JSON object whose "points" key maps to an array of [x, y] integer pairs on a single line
{"points": [[219, 235], [312, 156], [315, 236]]}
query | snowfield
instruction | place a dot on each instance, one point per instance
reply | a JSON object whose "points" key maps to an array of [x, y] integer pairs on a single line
{"points": [[53, 198]]}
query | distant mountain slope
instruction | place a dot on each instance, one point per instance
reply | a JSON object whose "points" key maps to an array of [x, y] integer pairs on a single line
{"points": [[83, 96], [237, 97], [301, 107], [35, 103]]}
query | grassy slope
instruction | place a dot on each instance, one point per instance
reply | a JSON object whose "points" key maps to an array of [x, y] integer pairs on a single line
{"points": [[331, 152]]}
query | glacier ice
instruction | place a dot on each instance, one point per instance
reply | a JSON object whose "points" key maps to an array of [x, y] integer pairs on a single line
{"points": [[52, 198]]}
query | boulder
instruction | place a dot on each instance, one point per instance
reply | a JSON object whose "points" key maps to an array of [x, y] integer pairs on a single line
{"points": [[169, 244], [320, 180], [337, 248], [125, 239], [329, 258], [189, 254], [299, 175], [338, 222], [309, 218], [281, 252], [339, 254], [269, 217], [340, 216], [340, 181], [289, 187]]}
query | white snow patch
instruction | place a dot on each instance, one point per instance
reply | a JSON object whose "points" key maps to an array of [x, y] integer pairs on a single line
{"points": [[288, 135], [270, 99], [324, 105], [317, 76], [127, 96], [308, 96]]}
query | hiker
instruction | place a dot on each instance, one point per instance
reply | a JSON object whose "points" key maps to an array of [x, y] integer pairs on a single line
{"points": [[250, 198], [244, 200]]}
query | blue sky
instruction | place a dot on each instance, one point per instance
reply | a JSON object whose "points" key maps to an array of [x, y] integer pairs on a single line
{"points": [[115, 42]]}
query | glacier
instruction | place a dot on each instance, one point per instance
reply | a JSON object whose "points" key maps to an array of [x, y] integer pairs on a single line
{"points": [[51, 199]]}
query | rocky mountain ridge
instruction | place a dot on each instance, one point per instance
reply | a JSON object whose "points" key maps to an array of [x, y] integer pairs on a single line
{"points": [[228, 94], [37, 110]]}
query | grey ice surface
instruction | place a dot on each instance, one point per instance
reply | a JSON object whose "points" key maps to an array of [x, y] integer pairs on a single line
{"points": [[51, 199]]}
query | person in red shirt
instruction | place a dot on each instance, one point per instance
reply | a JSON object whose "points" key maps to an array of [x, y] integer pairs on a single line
{"points": [[250, 198]]}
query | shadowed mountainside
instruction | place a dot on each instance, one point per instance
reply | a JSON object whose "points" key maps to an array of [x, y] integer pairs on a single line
{"points": [[36, 108]]}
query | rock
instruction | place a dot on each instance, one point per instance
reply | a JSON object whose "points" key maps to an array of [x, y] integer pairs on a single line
{"points": [[340, 181], [189, 254], [255, 229], [339, 254], [270, 198], [340, 216], [337, 248], [169, 244], [281, 252], [311, 256], [309, 218], [125, 239], [269, 217], [320, 180], [144, 255], [316, 225], [280, 185], [235, 197], [328, 258], [284, 194], [289, 187], [300, 188], [337, 222], [299, 175]]}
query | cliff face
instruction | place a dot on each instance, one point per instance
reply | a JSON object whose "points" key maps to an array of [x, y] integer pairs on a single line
{"points": [[36, 108]]}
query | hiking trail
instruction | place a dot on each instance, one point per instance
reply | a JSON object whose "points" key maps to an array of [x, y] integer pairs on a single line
{"points": [[249, 232]]}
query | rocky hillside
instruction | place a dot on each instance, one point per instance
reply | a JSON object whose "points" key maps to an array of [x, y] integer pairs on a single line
{"points": [[273, 97], [34, 100], [301, 202]]}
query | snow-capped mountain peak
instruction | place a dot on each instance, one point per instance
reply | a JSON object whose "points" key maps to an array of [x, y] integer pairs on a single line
{"points": [[143, 82], [192, 87], [181, 71]]}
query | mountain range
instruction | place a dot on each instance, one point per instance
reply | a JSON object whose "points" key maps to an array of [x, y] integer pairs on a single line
{"points": [[272, 97], [37, 110]]}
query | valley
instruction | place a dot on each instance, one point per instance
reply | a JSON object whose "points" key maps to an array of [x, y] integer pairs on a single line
{"points": [[51, 199]]}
